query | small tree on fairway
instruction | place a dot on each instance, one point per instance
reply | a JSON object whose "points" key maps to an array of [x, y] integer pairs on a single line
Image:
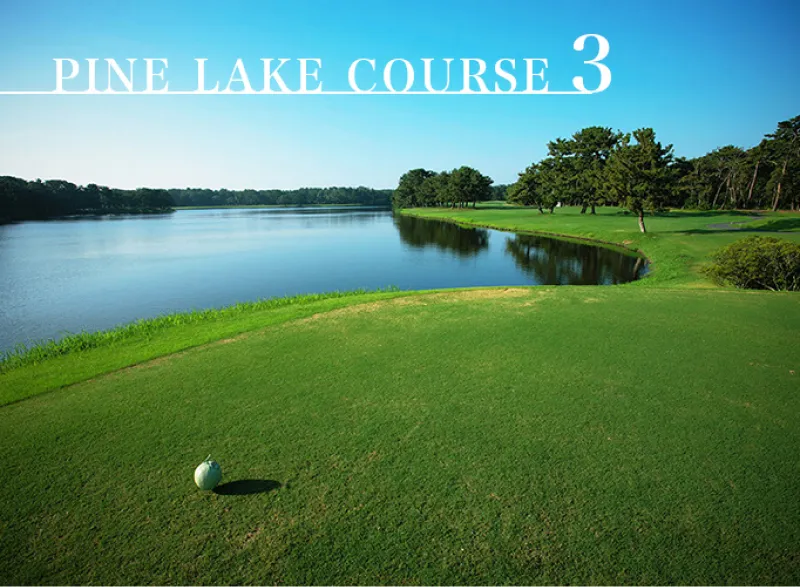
{"points": [[526, 190], [536, 186], [784, 182], [638, 175], [577, 164]]}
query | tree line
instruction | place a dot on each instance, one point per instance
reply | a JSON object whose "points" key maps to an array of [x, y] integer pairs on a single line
{"points": [[597, 166], [361, 195], [39, 200], [457, 188]]}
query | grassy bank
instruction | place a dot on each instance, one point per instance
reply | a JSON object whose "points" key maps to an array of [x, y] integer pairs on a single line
{"points": [[677, 243], [50, 365], [644, 433]]}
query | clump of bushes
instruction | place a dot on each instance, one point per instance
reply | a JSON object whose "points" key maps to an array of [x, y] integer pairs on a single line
{"points": [[758, 262]]}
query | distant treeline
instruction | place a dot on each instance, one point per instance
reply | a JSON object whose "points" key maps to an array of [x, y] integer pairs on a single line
{"points": [[301, 197], [598, 166], [38, 200]]}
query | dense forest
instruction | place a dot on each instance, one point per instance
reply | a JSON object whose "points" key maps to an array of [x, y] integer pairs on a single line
{"points": [[38, 200], [597, 166]]}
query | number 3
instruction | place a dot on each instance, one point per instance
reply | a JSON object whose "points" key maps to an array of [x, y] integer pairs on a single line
{"points": [[602, 53]]}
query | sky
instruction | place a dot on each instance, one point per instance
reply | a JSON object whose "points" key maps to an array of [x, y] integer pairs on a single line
{"points": [[703, 74]]}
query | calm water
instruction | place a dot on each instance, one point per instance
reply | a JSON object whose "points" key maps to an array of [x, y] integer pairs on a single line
{"points": [[90, 274]]}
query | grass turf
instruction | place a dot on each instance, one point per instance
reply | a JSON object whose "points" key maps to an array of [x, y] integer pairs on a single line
{"points": [[51, 365], [630, 434]]}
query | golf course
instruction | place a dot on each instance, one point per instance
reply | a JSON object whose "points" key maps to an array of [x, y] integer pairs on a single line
{"points": [[645, 433]]}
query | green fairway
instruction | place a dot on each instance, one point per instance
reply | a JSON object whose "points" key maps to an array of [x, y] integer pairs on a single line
{"points": [[645, 433]]}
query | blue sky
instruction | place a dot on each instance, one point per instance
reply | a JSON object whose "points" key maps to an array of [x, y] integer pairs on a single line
{"points": [[702, 74]]}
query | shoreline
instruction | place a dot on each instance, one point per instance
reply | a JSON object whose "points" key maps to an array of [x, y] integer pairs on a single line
{"points": [[298, 206], [676, 246], [32, 369]]}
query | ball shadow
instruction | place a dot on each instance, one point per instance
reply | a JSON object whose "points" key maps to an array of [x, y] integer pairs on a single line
{"points": [[247, 487]]}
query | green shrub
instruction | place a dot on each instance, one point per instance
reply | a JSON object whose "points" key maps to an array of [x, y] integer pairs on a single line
{"points": [[758, 262]]}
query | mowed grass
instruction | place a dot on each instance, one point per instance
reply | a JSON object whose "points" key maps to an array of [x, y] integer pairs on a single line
{"points": [[529, 435], [54, 364], [645, 433]]}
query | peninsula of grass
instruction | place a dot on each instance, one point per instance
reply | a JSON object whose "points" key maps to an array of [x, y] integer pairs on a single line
{"points": [[678, 243], [645, 433]]}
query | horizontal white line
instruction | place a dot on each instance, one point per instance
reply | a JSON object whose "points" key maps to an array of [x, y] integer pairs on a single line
{"points": [[326, 93]]}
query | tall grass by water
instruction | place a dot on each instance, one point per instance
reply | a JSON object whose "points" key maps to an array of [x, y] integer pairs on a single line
{"points": [[39, 351]]}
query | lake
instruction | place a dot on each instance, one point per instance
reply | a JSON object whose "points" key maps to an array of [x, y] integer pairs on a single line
{"points": [[78, 274]]}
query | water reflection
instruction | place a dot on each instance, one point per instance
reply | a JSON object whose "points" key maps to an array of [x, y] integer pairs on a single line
{"points": [[561, 262], [302, 210], [445, 236], [547, 261], [88, 274], [305, 217]]}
